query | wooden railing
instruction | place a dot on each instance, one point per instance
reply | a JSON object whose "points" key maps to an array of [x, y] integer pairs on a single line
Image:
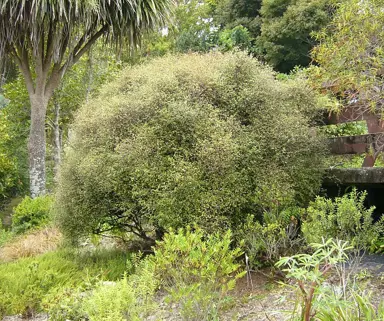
{"points": [[371, 143]]}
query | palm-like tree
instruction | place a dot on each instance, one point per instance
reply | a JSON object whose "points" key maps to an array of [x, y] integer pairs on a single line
{"points": [[46, 37]]}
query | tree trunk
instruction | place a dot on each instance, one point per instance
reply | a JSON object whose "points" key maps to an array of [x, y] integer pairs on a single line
{"points": [[57, 140], [36, 145]]}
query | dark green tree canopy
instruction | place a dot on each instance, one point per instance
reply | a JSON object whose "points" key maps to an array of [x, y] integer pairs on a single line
{"points": [[233, 13], [286, 31]]}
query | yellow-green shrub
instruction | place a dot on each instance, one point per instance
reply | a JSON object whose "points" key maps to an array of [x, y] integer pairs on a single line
{"points": [[204, 139], [129, 299], [344, 218], [31, 213], [197, 271]]}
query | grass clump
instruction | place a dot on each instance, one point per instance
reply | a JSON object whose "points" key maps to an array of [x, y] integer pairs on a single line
{"points": [[27, 283], [30, 244]]}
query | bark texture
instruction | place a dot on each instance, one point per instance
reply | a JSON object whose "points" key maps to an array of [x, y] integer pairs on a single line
{"points": [[57, 140], [37, 146]]}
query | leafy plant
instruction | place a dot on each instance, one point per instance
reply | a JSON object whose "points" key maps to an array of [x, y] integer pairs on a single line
{"points": [[188, 139], [128, 299], [356, 307], [345, 218], [31, 213], [197, 271], [277, 235], [309, 271]]}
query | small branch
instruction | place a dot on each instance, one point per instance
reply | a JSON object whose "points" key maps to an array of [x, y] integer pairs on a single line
{"points": [[23, 63], [49, 52], [302, 288], [87, 46]]}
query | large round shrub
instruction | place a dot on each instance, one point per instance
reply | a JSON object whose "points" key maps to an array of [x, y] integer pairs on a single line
{"points": [[204, 139]]}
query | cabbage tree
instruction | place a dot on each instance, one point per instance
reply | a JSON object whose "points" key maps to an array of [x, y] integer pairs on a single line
{"points": [[47, 37]]}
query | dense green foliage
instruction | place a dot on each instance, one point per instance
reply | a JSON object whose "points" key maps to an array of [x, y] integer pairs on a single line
{"points": [[344, 218], [276, 235], [196, 271], [233, 13], [129, 299], [31, 284], [8, 177], [203, 139], [350, 54], [32, 213], [285, 40], [12, 179]]}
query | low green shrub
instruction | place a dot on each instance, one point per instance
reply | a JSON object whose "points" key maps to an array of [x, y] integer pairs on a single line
{"points": [[67, 304], [129, 299], [278, 234], [32, 284], [344, 218], [31, 213], [197, 271], [112, 302]]}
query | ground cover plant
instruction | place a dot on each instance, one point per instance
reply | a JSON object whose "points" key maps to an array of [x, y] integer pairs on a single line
{"points": [[27, 283], [205, 139], [194, 273]]}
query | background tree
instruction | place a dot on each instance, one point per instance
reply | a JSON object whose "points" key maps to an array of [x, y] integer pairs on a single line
{"points": [[46, 38], [287, 25], [15, 117], [233, 13], [77, 86], [350, 56], [191, 29]]}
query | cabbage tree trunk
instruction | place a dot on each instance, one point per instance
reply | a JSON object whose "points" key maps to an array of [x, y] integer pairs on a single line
{"points": [[57, 140], [36, 144]]}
